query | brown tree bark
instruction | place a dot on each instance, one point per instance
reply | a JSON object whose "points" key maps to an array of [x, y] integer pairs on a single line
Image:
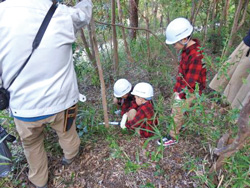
{"points": [[196, 8], [114, 39], [87, 48], [243, 137], [133, 17], [206, 22], [99, 66], [236, 24], [127, 50]]}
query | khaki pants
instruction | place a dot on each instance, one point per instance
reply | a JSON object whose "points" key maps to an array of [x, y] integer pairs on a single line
{"points": [[32, 137], [178, 115]]}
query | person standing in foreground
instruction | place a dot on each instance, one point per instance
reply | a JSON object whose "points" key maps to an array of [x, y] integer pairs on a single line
{"points": [[46, 90], [191, 71]]}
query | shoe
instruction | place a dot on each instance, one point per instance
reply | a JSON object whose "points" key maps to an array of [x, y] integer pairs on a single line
{"points": [[163, 141], [170, 142], [167, 141], [67, 161]]}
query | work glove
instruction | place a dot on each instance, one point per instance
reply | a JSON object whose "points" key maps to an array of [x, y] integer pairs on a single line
{"points": [[176, 96], [123, 121]]}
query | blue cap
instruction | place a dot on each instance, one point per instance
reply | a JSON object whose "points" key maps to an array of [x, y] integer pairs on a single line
{"points": [[247, 39]]}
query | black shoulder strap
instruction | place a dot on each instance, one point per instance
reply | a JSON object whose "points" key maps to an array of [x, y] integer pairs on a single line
{"points": [[38, 38]]}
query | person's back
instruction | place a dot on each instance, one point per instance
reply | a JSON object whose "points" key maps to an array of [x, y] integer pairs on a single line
{"points": [[47, 84], [45, 92]]}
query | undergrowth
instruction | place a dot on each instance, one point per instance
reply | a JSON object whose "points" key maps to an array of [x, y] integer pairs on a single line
{"points": [[206, 121]]}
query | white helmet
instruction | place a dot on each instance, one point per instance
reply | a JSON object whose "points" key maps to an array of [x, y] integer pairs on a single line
{"points": [[122, 87], [178, 29], [144, 90]]}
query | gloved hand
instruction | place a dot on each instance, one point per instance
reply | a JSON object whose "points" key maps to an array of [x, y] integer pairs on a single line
{"points": [[176, 96], [123, 121]]}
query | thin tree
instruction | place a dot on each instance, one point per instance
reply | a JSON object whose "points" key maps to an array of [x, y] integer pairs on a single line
{"points": [[241, 9], [127, 50], [88, 51], [133, 17], [206, 21], [114, 39], [195, 10], [99, 66]]}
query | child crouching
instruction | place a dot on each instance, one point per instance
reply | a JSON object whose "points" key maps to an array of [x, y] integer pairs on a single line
{"points": [[144, 116]]}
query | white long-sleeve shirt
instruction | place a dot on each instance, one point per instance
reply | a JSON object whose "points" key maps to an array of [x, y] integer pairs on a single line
{"points": [[47, 84]]}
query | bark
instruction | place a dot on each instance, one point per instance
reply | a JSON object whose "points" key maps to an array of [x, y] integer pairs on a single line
{"points": [[133, 17], [114, 39], [99, 66], [127, 50], [206, 22], [195, 12], [236, 24], [214, 35], [146, 18], [225, 13], [89, 54], [91, 42], [242, 138], [155, 11]]}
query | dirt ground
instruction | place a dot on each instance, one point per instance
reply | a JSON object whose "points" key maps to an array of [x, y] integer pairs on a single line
{"points": [[123, 163], [98, 167]]}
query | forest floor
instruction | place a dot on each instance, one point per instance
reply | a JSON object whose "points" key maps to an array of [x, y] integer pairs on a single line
{"points": [[123, 163], [119, 159]]}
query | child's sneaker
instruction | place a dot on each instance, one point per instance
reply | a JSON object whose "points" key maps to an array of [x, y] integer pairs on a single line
{"points": [[170, 142], [159, 142], [167, 141]]}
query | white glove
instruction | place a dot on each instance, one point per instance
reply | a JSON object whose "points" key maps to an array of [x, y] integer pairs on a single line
{"points": [[123, 121], [176, 96]]}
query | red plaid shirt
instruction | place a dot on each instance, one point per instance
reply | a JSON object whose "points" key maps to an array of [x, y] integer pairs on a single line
{"points": [[127, 104], [144, 119], [191, 70]]}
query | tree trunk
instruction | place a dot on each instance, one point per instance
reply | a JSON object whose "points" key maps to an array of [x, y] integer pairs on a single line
{"points": [[236, 24], [89, 54], [147, 33], [130, 59], [91, 42], [133, 18], [195, 12], [99, 66], [206, 22], [114, 39], [155, 11]]}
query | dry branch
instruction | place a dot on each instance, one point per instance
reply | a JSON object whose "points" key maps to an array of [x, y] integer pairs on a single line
{"points": [[242, 138], [143, 29]]}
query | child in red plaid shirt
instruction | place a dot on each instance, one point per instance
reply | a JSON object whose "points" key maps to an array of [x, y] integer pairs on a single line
{"points": [[142, 118], [123, 97], [191, 71]]}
